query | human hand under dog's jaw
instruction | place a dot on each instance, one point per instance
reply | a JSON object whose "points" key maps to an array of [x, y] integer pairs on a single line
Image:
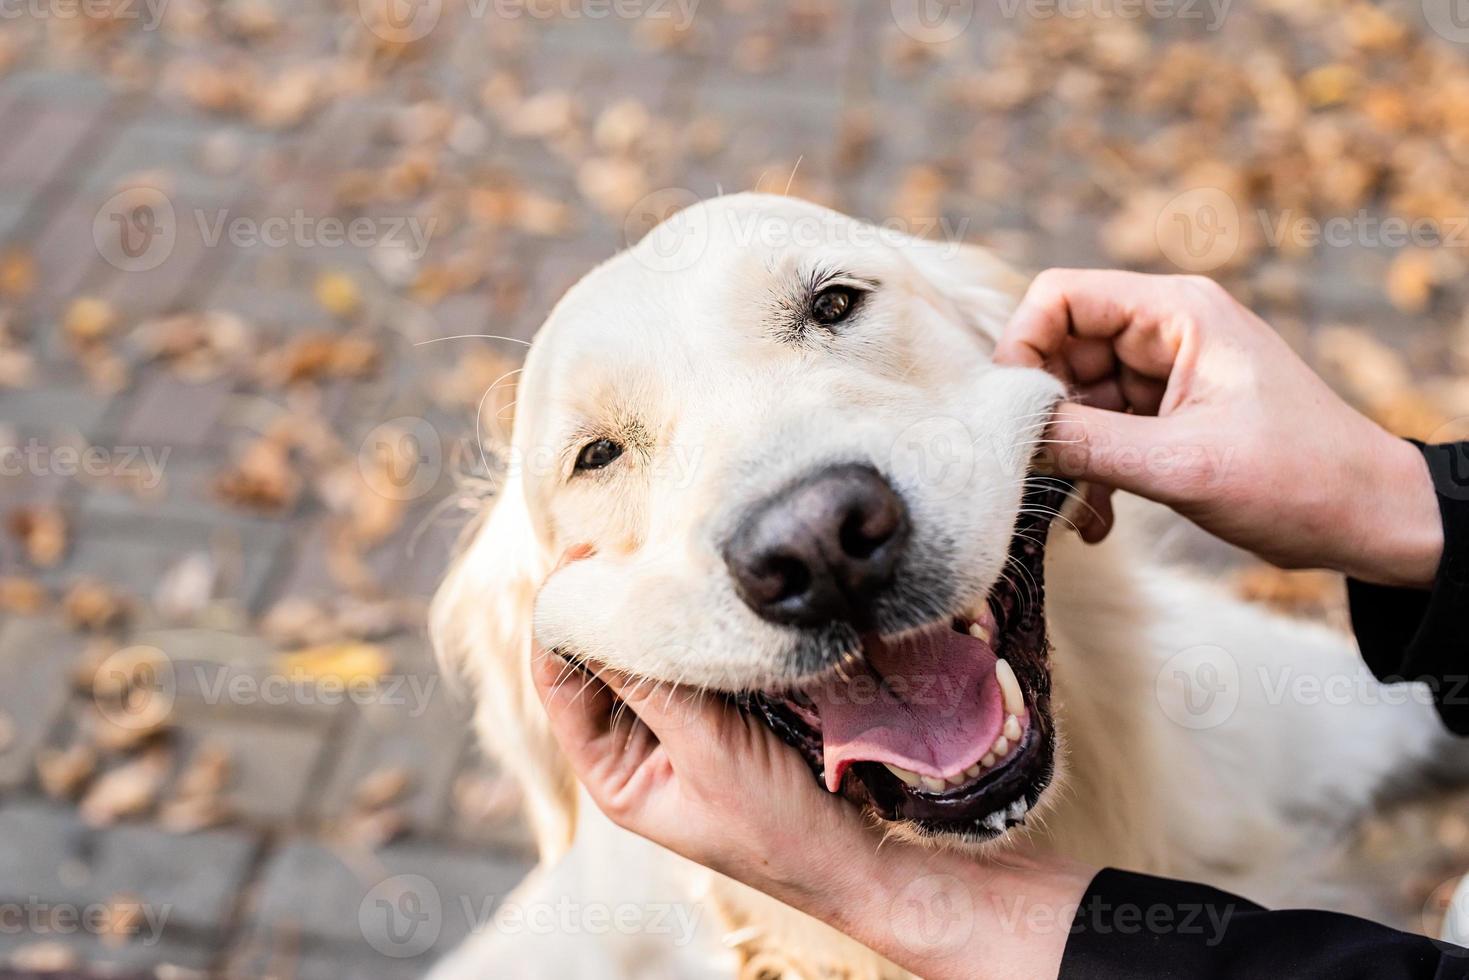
{"points": [[1244, 438], [691, 772]]}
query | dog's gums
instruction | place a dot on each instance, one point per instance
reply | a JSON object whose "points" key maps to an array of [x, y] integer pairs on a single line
{"points": [[947, 727]]}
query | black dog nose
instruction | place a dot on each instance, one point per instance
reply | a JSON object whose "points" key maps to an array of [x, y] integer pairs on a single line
{"points": [[821, 549]]}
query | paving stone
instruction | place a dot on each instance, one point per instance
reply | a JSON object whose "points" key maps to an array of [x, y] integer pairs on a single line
{"points": [[43, 148], [271, 764], [235, 677], [170, 412], [271, 956], [67, 260], [51, 410], [186, 493], [51, 856], [117, 961], [133, 554], [508, 828], [416, 723], [322, 895], [59, 85], [36, 657]]}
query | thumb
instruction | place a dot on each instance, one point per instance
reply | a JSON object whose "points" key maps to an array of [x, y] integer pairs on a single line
{"points": [[1114, 449]]}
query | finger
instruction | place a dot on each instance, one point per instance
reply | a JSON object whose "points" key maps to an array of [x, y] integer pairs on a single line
{"points": [[1090, 359], [1103, 394], [1134, 311], [666, 708], [579, 705], [583, 716], [1141, 393], [1108, 447], [1098, 506]]}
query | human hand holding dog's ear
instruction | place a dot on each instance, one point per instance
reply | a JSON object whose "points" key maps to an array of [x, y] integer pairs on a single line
{"points": [[691, 772], [1186, 397]]}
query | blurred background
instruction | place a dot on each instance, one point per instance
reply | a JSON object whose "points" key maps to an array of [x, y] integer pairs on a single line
{"points": [[242, 244]]}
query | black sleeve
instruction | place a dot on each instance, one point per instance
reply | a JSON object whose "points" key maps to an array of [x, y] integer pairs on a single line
{"points": [[1418, 635], [1131, 926]]}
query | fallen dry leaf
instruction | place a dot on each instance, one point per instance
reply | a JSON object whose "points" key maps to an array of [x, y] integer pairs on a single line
{"points": [[93, 607], [88, 320], [127, 791], [382, 787], [337, 293], [63, 772], [123, 917], [44, 958], [41, 530], [1311, 594], [262, 478], [21, 595], [17, 274], [346, 662]]}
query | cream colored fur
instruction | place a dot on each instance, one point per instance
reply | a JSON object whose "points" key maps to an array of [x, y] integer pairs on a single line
{"points": [[1258, 802]]}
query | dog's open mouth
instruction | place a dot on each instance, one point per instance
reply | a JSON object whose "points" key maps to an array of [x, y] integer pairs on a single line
{"points": [[947, 727]]}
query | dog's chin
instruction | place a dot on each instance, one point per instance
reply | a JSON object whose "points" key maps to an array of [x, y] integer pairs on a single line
{"points": [[947, 730]]}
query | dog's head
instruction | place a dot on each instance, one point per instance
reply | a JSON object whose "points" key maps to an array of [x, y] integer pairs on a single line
{"points": [[774, 440]]}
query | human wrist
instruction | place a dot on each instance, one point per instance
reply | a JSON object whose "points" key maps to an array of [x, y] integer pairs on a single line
{"points": [[943, 915], [1395, 518]]}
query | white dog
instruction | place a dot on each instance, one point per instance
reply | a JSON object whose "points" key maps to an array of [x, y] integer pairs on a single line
{"points": [[803, 482]]}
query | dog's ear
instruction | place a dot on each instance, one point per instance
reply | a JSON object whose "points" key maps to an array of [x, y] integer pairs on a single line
{"points": [[975, 285], [480, 623]]}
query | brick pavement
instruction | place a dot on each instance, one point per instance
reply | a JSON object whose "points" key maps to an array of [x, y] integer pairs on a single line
{"points": [[779, 92]]}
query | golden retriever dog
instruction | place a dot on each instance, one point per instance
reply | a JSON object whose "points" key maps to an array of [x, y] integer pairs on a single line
{"points": [[804, 485]]}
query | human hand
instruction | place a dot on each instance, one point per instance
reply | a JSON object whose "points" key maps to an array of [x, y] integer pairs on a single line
{"points": [[691, 772], [1188, 398]]}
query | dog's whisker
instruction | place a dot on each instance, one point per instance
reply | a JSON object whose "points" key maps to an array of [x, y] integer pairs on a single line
{"points": [[473, 336]]}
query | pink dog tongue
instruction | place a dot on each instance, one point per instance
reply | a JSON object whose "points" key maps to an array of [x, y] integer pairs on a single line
{"points": [[930, 704]]}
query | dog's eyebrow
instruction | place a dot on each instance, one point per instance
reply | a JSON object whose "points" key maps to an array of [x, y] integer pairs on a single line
{"points": [[791, 317]]}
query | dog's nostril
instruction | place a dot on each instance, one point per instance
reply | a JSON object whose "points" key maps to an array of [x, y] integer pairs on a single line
{"points": [[793, 576], [862, 534]]}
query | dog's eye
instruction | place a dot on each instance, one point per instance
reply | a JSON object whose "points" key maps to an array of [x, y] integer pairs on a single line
{"points": [[833, 305], [597, 454]]}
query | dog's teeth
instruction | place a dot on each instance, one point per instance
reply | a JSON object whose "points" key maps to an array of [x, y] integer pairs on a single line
{"points": [[988, 761], [909, 778], [933, 785], [972, 771], [1001, 747], [1009, 688], [1012, 728], [980, 632]]}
